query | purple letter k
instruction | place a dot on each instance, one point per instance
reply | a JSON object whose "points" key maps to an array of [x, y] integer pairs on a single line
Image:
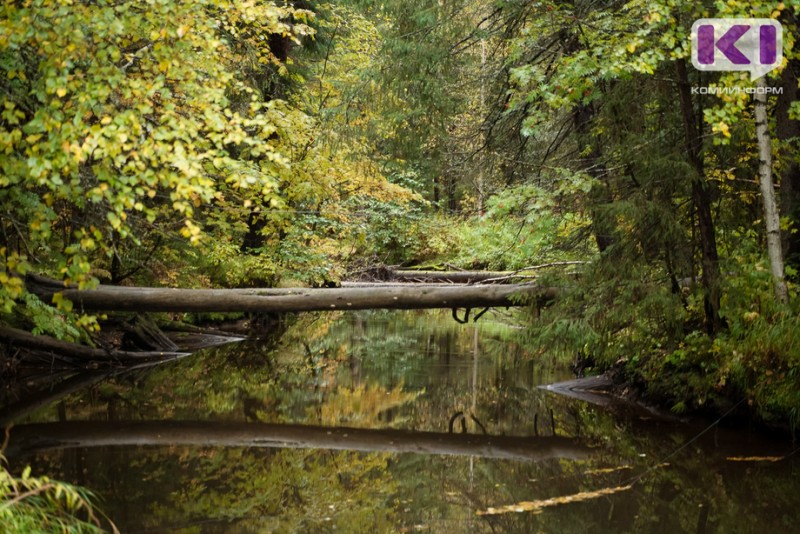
{"points": [[726, 44]]}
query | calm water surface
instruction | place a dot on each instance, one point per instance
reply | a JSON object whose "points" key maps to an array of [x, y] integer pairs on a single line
{"points": [[416, 371]]}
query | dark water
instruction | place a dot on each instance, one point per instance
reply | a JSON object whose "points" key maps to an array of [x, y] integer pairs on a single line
{"points": [[414, 371]]}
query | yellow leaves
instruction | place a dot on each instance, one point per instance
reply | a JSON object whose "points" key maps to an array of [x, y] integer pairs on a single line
{"points": [[87, 244], [74, 149], [723, 128], [14, 286], [751, 316], [155, 35], [114, 220], [106, 120], [61, 92], [192, 232], [61, 302], [652, 17], [363, 403]]}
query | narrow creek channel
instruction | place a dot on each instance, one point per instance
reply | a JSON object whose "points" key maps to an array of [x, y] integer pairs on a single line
{"points": [[137, 442]]}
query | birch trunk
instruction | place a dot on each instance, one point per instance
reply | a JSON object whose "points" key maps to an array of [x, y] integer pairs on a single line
{"points": [[771, 216]]}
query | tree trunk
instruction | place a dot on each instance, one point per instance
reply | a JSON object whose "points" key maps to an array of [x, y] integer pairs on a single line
{"points": [[771, 217], [701, 198], [25, 439], [787, 131], [602, 224], [148, 299]]}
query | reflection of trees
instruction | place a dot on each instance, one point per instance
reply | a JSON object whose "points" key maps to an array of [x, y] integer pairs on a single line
{"points": [[380, 369], [240, 490]]}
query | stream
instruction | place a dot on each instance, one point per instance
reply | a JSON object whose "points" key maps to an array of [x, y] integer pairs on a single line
{"points": [[274, 436]]}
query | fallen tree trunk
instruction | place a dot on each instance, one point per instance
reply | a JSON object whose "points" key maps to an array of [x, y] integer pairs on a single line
{"points": [[456, 277], [464, 277], [149, 299], [66, 350], [46, 436]]}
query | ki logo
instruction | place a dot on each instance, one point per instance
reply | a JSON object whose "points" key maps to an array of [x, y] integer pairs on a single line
{"points": [[753, 45]]}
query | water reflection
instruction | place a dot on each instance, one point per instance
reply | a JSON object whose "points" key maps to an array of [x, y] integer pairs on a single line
{"points": [[416, 371]]}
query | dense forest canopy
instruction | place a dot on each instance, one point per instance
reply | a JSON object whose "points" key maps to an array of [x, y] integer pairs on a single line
{"points": [[226, 143]]}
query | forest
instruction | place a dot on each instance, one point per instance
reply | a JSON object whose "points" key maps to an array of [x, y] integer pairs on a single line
{"points": [[216, 144]]}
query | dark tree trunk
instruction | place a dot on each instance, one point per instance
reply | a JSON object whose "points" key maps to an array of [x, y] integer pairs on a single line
{"points": [[788, 133], [701, 199], [254, 238], [600, 195], [452, 202]]}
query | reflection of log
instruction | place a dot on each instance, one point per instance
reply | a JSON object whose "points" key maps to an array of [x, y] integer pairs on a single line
{"points": [[145, 299], [30, 438], [599, 390], [40, 399], [55, 391]]}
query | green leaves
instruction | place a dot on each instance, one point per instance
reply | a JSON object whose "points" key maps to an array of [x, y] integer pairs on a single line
{"points": [[38, 504], [117, 116]]}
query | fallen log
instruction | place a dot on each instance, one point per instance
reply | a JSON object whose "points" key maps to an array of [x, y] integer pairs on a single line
{"points": [[468, 277], [25, 439], [150, 299], [455, 277], [87, 356]]}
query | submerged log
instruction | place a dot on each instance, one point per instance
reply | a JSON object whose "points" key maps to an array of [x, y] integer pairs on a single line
{"points": [[26, 439], [150, 299]]}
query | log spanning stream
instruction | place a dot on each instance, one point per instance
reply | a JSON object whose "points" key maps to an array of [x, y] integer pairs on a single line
{"points": [[387, 421], [147, 299]]}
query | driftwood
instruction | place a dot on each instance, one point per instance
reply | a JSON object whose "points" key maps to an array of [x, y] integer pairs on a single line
{"points": [[45, 436], [149, 299]]}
